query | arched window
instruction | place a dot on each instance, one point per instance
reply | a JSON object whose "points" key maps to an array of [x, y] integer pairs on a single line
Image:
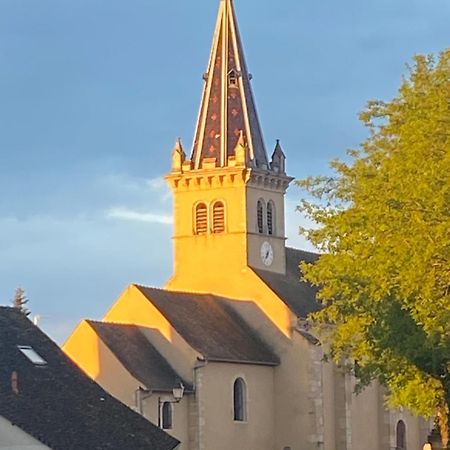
{"points": [[218, 215], [260, 216], [401, 435], [270, 218], [201, 219], [239, 400], [166, 415]]}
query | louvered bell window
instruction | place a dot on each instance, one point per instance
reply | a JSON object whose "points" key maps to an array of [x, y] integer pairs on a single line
{"points": [[201, 219], [218, 217], [270, 218], [260, 216]]}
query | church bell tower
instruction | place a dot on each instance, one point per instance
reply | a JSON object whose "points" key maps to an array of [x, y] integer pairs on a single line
{"points": [[228, 195]]}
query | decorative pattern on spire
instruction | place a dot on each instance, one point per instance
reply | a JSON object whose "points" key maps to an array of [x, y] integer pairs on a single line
{"points": [[227, 111]]}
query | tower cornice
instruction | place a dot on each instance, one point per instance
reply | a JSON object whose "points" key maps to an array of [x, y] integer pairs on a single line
{"points": [[227, 177]]}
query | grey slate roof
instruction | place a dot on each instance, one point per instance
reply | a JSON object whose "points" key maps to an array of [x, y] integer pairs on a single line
{"points": [[58, 404], [211, 327], [297, 294], [138, 356]]}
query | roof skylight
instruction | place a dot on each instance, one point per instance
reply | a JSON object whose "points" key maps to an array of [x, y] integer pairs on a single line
{"points": [[30, 353]]}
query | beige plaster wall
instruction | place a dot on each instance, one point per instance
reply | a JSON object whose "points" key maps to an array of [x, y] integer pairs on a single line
{"points": [[299, 397], [255, 239], [133, 307], [94, 357], [217, 429], [180, 415], [193, 251], [417, 429], [13, 438], [367, 419]]}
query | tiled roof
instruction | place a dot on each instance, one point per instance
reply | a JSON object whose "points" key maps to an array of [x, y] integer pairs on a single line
{"points": [[296, 293], [211, 326], [58, 404], [138, 356]]}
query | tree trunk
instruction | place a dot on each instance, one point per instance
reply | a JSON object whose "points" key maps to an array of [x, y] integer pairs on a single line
{"points": [[442, 420]]}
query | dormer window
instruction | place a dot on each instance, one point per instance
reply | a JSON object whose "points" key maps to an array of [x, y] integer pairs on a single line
{"points": [[232, 78], [201, 219], [32, 356]]}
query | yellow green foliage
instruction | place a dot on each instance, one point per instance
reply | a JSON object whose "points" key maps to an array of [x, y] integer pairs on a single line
{"points": [[384, 230]]}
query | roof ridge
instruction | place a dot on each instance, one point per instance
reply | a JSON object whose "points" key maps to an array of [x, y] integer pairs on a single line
{"points": [[198, 293], [309, 252]]}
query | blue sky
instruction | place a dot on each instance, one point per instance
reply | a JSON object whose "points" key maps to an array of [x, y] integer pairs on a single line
{"points": [[93, 94]]}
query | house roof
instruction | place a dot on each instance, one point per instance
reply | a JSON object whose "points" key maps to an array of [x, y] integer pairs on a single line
{"points": [[211, 326], [299, 295], [138, 356], [57, 403]]}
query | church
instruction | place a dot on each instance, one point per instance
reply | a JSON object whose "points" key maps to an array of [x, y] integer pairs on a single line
{"points": [[223, 357]]}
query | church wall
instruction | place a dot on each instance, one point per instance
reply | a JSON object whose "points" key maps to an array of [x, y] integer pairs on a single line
{"points": [[217, 429], [329, 393], [254, 295], [417, 429], [180, 415], [366, 420], [134, 308], [193, 251], [94, 357], [255, 239], [299, 397]]}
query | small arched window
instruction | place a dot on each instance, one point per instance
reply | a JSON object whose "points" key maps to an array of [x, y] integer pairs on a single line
{"points": [[218, 216], [260, 216], [166, 415], [401, 435], [239, 400], [201, 219], [270, 218]]}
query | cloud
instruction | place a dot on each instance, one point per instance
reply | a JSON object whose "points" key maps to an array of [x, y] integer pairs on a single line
{"points": [[137, 216], [75, 267], [295, 220]]}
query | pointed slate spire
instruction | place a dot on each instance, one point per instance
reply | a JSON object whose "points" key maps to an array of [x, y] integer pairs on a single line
{"points": [[178, 156], [227, 108], [278, 163]]}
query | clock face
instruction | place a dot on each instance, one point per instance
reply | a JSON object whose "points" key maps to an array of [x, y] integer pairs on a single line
{"points": [[266, 254]]}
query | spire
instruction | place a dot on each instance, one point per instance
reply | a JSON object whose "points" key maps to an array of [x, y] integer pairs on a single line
{"points": [[227, 112], [278, 163], [178, 156]]}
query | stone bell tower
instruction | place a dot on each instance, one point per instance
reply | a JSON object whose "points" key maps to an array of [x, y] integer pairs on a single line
{"points": [[228, 196]]}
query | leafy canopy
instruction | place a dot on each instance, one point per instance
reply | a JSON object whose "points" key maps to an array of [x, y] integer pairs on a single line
{"points": [[384, 230]]}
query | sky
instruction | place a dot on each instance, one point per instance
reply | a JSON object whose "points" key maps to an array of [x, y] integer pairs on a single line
{"points": [[93, 94]]}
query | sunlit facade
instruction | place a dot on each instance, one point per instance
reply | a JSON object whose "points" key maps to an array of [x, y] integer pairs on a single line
{"points": [[230, 322]]}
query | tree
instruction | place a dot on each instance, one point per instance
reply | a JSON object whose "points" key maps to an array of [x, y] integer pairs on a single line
{"points": [[384, 230], [20, 300]]}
